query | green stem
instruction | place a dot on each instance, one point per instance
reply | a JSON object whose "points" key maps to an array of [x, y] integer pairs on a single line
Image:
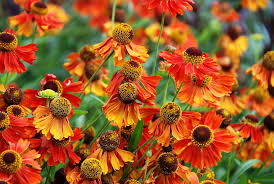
{"points": [[166, 87], [186, 107], [145, 175], [260, 169], [6, 79], [113, 14], [93, 121], [143, 145], [48, 176], [253, 151], [92, 77], [158, 43], [99, 133], [177, 92]]}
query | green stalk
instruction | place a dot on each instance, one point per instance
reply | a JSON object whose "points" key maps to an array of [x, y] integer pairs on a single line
{"points": [[177, 92], [6, 79], [166, 86], [158, 43], [253, 151], [48, 176], [113, 14], [145, 175], [143, 145], [260, 169]]}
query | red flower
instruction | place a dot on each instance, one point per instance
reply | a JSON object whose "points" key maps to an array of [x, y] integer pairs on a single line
{"points": [[11, 53], [51, 82]]}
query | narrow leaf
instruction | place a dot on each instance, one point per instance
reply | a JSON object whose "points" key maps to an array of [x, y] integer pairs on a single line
{"points": [[136, 136]]}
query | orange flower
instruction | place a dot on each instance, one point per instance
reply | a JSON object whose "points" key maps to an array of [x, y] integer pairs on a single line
{"points": [[169, 170], [35, 14], [203, 143], [254, 5], [172, 121], [189, 62], [233, 103], [121, 42], [174, 7], [53, 121], [260, 101], [13, 129], [89, 172], [11, 53], [64, 89], [264, 71], [224, 12], [200, 91], [90, 7], [109, 153], [17, 164], [250, 128], [57, 150], [133, 71], [83, 65]]}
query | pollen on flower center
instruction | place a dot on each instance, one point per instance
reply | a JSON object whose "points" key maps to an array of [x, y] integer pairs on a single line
{"points": [[167, 163], [122, 33], [60, 107], [13, 96], [90, 69], [193, 55], [91, 168], [268, 60], [62, 143], [109, 141], [83, 153], [202, 136], [132, 181], [208, 182], [10, 161], [251, 119], [16, 110], [87, 53], [4, 121], [170, 112], [126, 131], [8, 42], [54, 85], [127, 92], [132, 70], [260, 95], [39, 8]]}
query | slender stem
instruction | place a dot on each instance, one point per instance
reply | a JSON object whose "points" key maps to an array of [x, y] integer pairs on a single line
{"points": [[149, 172], [177, 92], [186, 107], [48, 176], [99, 133], [158, 43], [166, 87], [145, 175], [93, 121], [113, 14], [260, 169], [253, 151], [6, 79], [143, 145], [92, 77]]}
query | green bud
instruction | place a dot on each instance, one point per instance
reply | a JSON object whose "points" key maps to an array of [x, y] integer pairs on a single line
{"points": [[48, 93]]}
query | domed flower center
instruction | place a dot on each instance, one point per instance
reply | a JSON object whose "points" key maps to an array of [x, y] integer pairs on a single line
{"points": [[127, 92], [87, 53], [13, 96], [4, 121], [202, 136], [269, 121], [167, 163], [16, 110], [132, 181], [208, 182], [83, 153], [193, 55], [260, 95], [39, 8], [107, 179], [91, 168], [170, 112], [90, 69], [8, 42], [89, 134], [54, 85], [234, 32], [109, 141], [201, 82], [10, 161], [61, 143], [268, 60], [252, 119], [122, 33], [227, 117], [126, 132], [60, 107], [226, 63], [132, 70]]}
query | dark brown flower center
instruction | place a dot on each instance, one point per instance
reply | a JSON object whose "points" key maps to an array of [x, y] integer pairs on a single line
{"points": [[170, 112], [16, 110], [202, 136], [109, 141], [6, 37], [234, 32], [268, 60], [194, 51], [122, 33], [10, 161], [39, 8], [127, 92], [87, 53], [4, 121], [167, 163], [62, 143], [269, 121], [252, 119], [13, 96], [54, 85], [8, 42], [227, 117], [90, 69]]}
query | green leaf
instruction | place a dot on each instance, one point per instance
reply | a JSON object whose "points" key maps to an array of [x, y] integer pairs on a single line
{"points": [[80, 112], [244, 167], [136, 136], [266, 179]]}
